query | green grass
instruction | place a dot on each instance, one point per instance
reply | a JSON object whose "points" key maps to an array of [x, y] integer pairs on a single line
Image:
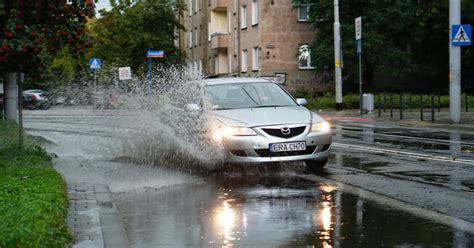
{"points": [[33, 198]]}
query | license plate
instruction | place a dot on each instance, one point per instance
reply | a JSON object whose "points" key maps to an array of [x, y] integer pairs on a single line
{"points": [[288, 146]]}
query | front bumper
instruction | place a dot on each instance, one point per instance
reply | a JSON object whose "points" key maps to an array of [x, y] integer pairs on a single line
{"points": [[255, 149]]}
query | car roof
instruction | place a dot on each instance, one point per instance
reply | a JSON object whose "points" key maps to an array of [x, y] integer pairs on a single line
{"points": [[233, 80]]}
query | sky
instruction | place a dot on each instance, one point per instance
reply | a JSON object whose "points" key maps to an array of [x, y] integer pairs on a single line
{"points": [[102, 4]]}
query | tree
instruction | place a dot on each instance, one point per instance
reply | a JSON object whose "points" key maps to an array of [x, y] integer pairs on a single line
{"points": [[124, 34], [31, 30], [405, 41]]}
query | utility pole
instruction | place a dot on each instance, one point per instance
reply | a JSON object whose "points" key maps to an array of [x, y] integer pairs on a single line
{"points": [[454, 65], [337, 56]]}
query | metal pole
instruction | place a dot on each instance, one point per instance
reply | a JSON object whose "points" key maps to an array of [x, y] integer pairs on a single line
{"points": [[337, 56], [454, 65], [401, 106], [148, 75], [95, 88], [380, 106], [432, 108], [391, 105], [360, 82], [421, 107]]}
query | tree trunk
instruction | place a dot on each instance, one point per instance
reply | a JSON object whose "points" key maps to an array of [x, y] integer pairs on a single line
{"points": [[11, 98]]}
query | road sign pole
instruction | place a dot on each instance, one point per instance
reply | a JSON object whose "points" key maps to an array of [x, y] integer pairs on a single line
{"points": [[454, 65], [95, 89], [360, 83], [358, 37], [148, 75]]}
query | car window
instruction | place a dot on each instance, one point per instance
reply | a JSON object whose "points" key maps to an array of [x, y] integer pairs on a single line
{"points": [[247, 95]]}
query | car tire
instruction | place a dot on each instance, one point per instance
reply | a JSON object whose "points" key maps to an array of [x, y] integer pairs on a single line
{"points": [[315, 165]]}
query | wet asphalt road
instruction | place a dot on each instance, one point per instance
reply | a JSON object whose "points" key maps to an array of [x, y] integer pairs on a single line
{"points": [[385, 185]]}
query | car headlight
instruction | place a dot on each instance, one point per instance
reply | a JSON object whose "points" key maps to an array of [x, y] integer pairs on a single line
{"points": [[320, 127], [221, 132]]}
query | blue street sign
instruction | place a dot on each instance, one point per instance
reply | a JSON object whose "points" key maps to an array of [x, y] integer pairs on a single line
{"points": [[155, 54], [359, 46], [461, 35], [94, 63]]}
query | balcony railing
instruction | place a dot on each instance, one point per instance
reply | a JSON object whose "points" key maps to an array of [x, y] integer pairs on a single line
{"points": [[219, 40], [219, 5]]}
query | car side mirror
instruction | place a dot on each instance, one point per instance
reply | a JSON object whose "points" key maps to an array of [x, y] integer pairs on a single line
{"points": [[302, 101], [191, 107]]}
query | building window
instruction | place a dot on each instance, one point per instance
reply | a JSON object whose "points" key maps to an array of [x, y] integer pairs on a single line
{"points": [[190, 39], [254, 12], [244, 61], [303, 12], [243, 17], [255, 55], [304, 57]]}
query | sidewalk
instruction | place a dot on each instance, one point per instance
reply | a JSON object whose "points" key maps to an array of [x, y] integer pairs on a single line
{"points": [[442, 119], [92, 215]]}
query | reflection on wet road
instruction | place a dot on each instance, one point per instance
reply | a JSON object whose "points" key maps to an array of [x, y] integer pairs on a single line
{"points": [[279, 211]]}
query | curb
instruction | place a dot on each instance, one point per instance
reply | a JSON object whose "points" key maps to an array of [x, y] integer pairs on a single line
{"points": [[94, 218], [113, 231]]}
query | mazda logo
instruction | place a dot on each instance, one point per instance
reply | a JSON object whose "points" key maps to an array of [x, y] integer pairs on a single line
{"points": [[285, 130]]}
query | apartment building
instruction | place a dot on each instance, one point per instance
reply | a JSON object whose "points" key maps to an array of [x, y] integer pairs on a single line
{"points": [[264, 38]]}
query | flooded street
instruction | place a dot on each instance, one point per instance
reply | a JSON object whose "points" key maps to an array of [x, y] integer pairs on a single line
{"points": [[385, 185]]}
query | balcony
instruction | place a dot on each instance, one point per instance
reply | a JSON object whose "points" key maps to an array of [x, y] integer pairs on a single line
{"points": [[219, 41], [219, 5]]}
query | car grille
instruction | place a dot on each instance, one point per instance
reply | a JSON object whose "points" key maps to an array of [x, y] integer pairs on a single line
{"points": [[267, 153], [294, 131]]}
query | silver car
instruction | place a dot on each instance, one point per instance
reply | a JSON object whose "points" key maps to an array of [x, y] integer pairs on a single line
{"points": [[258, 121]]}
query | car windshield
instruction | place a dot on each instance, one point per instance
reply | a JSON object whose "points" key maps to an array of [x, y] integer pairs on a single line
{"points": [[247, 95]]}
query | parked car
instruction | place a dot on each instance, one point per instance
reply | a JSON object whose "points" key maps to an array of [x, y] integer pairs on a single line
{"points": [[35, 99], [258, 121]]}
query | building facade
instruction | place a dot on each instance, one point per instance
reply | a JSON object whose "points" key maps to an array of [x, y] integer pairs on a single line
{"points": [[258, 38]]}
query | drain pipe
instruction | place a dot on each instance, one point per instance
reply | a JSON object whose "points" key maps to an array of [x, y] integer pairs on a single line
{"points": [[239, 58]]}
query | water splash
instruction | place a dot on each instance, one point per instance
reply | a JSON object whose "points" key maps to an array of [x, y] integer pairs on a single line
{"points": [[157, 130]]}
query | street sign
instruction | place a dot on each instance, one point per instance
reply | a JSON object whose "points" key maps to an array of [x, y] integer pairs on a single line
{"points": [[358, 28], [461, 35], [95, 63], [125, 73], [155, 54]]}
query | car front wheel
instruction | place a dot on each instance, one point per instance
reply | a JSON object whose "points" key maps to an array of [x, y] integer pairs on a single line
{"points": [[315, 165]]}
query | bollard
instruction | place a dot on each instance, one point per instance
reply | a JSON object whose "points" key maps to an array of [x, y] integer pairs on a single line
{"points": [[384, 103], [391, 105], [401, 106], [439, 102], [380, 106], [432, 108], [421, 107], [411, 104]]}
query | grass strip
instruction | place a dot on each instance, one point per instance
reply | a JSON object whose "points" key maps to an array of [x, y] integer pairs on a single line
{"points": [[33, 197]]}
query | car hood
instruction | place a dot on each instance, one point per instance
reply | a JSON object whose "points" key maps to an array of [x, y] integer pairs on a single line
{"points": [[253, 117]]}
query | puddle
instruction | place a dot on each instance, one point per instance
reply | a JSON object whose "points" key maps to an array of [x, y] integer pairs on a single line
{"points": [[280, 211], [430, 177], [468, 183], [359, 163]]}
